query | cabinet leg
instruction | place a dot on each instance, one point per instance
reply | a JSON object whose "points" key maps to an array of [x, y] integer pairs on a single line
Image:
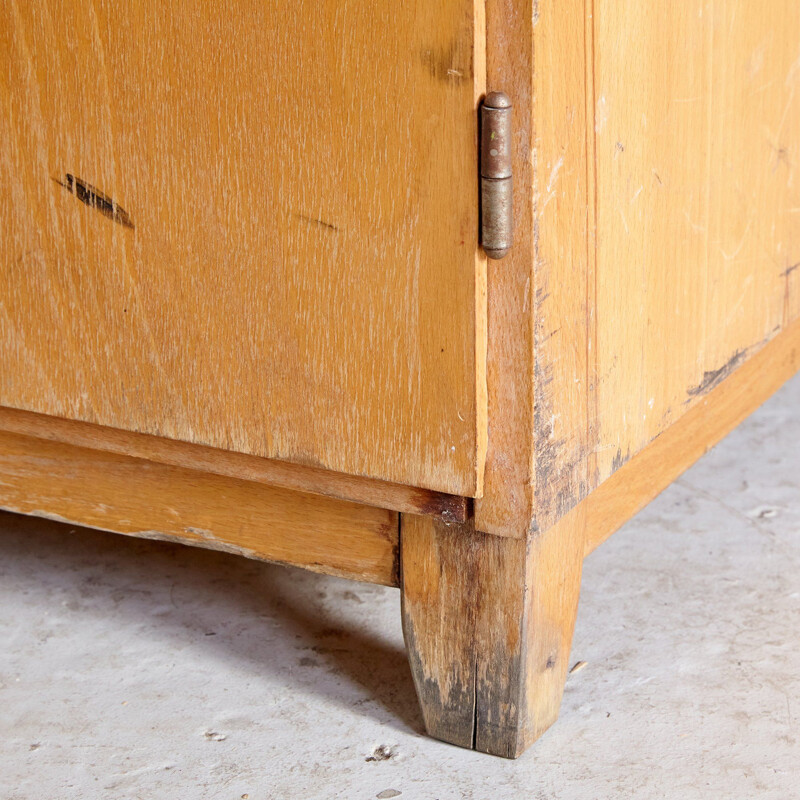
{"points": [[488, 625]]}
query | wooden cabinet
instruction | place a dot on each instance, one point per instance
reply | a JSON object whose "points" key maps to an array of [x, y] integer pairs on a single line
{"points": [[243, 301]]}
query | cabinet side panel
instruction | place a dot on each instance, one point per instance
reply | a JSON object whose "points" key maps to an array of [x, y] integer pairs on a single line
{"points": [[663, 201], [697, 142]]}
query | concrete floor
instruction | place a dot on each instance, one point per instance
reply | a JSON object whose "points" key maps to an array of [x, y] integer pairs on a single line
{"points": [[137, 669]]}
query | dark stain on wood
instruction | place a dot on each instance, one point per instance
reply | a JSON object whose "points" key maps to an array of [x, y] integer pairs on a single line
{"points": [[573, 489], [500, 703], [452, 64], [446, 686], [451, 508], [714, 378], [488, 660], [560, 470], [619, 459], [786, 273], [94, 198], [450, 717], [547, 449], [397, 564], [470, 686]]}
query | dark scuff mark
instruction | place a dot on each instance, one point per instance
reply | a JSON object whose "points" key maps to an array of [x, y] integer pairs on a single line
{"points": [[786, 273], [450, 508], [315, 221], [620, 459], [94, 198], [553, 333], [445, 63], [559, 483], [781, 157], [714, 378]]}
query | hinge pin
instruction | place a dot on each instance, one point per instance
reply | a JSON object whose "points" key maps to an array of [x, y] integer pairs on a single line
{"points": [[497, 218]]}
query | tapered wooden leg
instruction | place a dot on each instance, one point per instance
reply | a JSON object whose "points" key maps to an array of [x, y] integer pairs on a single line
{"points": [[488, 625]]}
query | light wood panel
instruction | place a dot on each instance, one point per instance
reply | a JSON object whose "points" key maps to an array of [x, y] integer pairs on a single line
{"points": [[139, 498], [393, 496], [697, 143], [715, 415], [249, 225]]}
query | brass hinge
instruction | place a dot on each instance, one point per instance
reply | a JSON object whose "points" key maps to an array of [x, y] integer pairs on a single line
{"points": [[497, 217]]}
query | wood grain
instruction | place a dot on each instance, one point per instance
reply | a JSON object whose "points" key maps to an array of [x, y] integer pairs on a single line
{"points": [[507, 500], [381, 494], [249, 225], [697, 142], [537, 299], [658, 179], [139, 498], [488, 625], [649, 472]]}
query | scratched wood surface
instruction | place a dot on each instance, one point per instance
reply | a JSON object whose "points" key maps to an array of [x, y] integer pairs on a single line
{"points": [[249, 225], [139, 498], [662, 172]]}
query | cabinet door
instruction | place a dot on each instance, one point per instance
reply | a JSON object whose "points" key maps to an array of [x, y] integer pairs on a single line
{"points": [[249, 224]]}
